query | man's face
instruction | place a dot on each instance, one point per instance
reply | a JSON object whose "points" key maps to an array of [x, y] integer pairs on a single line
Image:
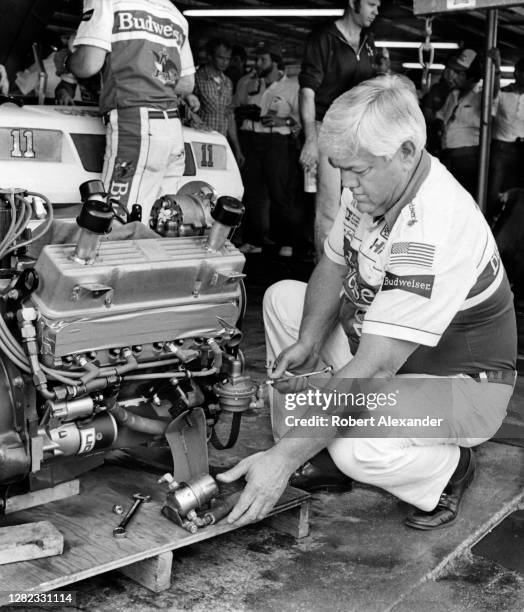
{"points": [[447, 76], [376, 182], [367, 12], [459, 79], [237, 63], [221, 58], [264, 64]]}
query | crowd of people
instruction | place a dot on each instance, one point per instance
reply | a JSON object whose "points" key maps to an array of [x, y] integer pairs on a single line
{"points": [[391, 295], [452, 109], [272, 121]]}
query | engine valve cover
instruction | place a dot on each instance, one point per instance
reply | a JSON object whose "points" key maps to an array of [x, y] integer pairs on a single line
{"points": [[136, 292]]}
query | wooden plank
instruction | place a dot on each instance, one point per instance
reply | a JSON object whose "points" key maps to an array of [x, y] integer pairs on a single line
{"points": [[44, 496], [294, 522], [430, 7], [153, 574], [87, 522], [29, 541]]}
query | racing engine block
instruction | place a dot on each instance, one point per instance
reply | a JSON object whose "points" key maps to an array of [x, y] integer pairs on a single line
{"points": [[116, 344]]}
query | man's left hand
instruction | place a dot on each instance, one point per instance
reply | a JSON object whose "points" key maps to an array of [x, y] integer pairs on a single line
{"points": [[267, 474], [239, 156]]}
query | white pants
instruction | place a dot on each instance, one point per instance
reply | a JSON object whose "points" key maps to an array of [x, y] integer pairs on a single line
{"points": [[144, 157], [413, 469]]}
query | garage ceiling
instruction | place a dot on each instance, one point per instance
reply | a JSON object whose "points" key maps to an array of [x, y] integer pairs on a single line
{"points": [[395, 22]]}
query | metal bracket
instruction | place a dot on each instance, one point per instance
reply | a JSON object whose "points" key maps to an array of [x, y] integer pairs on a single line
{"points": [[93, 291]]}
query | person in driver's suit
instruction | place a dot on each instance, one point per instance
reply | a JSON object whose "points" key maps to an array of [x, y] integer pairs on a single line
{"points": [[143, 51]]}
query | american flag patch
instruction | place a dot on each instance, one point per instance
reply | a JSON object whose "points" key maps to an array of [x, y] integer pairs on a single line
{"points": [[412, 254]]}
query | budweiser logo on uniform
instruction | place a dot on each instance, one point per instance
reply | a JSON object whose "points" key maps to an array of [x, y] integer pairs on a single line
{"points": [[140, 21]]}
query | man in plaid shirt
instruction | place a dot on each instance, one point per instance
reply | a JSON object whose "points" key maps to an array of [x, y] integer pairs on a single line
{"points": [[215, 91]]}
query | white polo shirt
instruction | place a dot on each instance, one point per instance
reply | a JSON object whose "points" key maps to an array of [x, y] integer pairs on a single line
{"points": [[428, 271], [280, 98], [509, 121], [461, 117]]}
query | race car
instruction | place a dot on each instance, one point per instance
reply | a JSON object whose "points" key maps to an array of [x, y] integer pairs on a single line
{"points": [[54, 149]]}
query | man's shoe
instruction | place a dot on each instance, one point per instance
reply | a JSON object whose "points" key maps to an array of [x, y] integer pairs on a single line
{"points": [[313, 479], [446, 510]]}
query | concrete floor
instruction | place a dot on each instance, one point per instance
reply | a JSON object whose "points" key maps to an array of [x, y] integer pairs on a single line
{"points": [[358, 556]]}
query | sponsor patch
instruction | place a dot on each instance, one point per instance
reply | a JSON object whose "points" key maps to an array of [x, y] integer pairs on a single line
{"points": [[143, 22], [416, 254], [351, 221], [419, 284], [378, 246], [412, 214], [86, 16], [124, 169]]}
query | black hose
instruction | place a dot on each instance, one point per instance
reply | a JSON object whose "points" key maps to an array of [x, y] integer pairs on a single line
{"points": [[233, 434], [136, 422]]}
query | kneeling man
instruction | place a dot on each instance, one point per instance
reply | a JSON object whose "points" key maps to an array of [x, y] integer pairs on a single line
{"points": [[411, 291]]}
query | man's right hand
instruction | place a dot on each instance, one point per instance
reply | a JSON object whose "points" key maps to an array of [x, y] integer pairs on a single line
{"points": [[297, 358], [309, 155]]}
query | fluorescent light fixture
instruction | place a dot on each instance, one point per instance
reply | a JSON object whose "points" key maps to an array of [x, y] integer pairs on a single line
{"points": [[417, 66], [263, 12], [504, 82], [391, 44], [398, 44], [310, 12]]}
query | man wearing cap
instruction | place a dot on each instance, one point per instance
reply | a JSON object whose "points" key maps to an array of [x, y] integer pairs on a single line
{"points": [[507, 146], [267, 105], [460, 117], [142, 48], [396, 309], [337, 57]]}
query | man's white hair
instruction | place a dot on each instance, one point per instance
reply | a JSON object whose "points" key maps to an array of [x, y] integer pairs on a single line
{"points": [[378, 115]]}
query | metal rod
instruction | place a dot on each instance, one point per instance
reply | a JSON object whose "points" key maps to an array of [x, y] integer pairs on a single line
{"points": [[291, 376], [485, 116]]}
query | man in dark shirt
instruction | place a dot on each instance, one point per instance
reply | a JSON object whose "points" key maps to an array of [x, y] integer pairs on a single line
{"points": [[337, 57]]}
